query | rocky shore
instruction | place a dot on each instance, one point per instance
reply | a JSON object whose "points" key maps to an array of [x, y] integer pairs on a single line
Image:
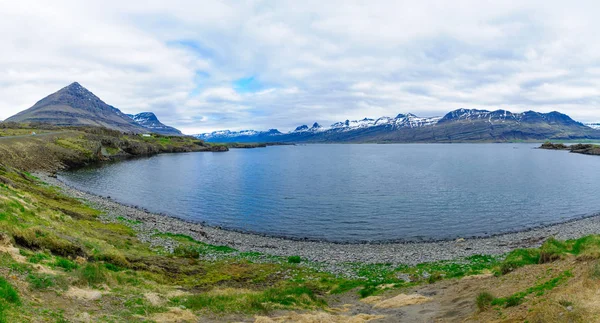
{"points": [[147, 224]]}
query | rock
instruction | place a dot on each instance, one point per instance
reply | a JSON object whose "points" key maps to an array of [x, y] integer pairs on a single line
{"points": [[154, 299], [175, 314], [83, 294], [83, 317]]}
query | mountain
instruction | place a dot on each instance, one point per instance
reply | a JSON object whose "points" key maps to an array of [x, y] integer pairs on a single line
{"points": [[462, 125], [74, 105], [593, 125], [149, 121]]}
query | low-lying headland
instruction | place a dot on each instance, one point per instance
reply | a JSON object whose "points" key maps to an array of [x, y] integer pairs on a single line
{"points": [[586, 149], [70, 256]]}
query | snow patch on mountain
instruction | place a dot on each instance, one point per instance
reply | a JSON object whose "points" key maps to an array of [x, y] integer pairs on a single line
{"points": [[594, 125], [402, 120]]}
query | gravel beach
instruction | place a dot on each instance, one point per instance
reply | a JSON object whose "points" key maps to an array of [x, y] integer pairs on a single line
{"points": [[327, 252]]}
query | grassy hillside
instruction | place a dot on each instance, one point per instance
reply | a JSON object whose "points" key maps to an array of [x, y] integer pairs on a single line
{"points": [[53, 148], [64, 261]]}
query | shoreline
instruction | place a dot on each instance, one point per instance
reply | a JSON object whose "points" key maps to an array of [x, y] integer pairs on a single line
{"points": [[409, 253]]}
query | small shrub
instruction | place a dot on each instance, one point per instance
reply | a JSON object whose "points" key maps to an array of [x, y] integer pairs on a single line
{"points": [[552, 250], [38, 258], [112, 267], [93, 274], [507, 267], [65, 264], [187, 252], [294, 259], [513, 301], [565, 303], [367, 291], [115, 258], [595, 271], [484, 300], [434, 278], [41, 281]]}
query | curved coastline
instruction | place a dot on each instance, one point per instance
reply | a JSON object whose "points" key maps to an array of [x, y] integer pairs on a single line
{"points": [[395, 252]]}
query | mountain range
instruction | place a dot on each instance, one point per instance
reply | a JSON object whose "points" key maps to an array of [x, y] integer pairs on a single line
{"points": [[462, 125], [74, 105]]}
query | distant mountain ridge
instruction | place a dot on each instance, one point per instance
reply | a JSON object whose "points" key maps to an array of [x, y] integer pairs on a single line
{"points": [[149, 121], [593, 125], [462, 125], [75, 105]]}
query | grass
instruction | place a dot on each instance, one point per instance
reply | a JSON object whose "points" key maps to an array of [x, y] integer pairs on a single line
{"points": [[8, 294], [252, 303], [92, 274], [9, 297], [595, 271], [53, 230], [38, 258], [484, 300], [538, 290], [39, 281], [65, 264], [294, 259]]}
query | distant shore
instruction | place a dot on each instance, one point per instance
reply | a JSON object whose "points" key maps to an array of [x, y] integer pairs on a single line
{"points": [[328, 252], [585, 149]]}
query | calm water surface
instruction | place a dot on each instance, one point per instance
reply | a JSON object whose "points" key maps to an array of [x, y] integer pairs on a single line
{"points": [[360, 192]]}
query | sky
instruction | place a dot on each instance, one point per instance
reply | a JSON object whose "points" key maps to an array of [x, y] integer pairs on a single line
{"points": [[210, 65]]}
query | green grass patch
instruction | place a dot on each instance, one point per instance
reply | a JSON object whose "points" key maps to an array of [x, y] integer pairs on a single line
{"points": [[538, 290], [38, 258], [65, 264], [201, 248], [92, 274], [294, 259], [46, 281], [251, 303], [8, 293], [139, 306]]}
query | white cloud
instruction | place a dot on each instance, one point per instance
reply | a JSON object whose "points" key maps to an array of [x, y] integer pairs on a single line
{"points": [[305, 61]]}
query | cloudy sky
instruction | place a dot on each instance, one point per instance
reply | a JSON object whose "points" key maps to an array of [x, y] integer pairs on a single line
{"points": [[210, 65]]}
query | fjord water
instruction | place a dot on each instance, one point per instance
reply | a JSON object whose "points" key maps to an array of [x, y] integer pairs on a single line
{"points": [[352, 193]]}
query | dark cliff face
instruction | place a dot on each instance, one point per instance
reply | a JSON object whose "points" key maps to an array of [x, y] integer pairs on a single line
{"points": [[74, 105]]}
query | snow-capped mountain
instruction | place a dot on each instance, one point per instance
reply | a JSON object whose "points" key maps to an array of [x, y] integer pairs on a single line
{"points": [[149, 121], [457, 125], [223, 134], [402, 120], [593, 125], [75, 105]]}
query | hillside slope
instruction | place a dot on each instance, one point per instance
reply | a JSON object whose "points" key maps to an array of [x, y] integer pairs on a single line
{"points": [[67, 258]]}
